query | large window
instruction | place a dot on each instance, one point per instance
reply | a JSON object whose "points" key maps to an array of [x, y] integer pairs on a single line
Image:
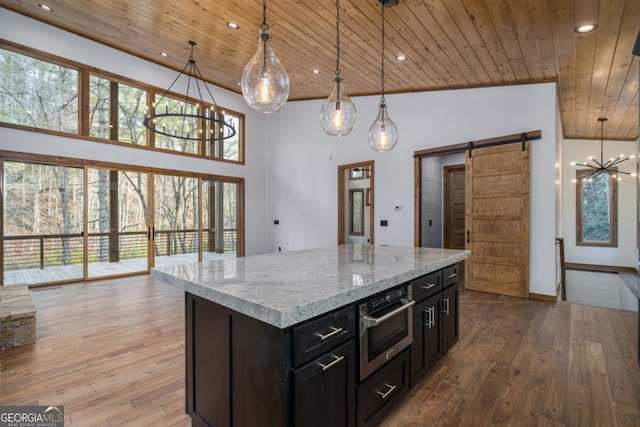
{"points": [[596, 210], [47, 95], [38, 94]]}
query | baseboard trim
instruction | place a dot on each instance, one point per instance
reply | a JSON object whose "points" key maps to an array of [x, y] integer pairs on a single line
{"points": [[542, 297]]}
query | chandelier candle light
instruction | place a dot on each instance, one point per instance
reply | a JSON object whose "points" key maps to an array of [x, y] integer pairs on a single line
{"points": [[383, 133], [600, 167], [190, 120], [265, 83], [338, 112]]}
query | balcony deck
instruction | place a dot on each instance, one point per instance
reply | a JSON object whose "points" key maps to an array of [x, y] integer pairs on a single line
{"points": [[99, 269]]}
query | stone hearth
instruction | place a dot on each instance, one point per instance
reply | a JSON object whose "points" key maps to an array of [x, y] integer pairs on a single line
{"points": [[17, 317]]}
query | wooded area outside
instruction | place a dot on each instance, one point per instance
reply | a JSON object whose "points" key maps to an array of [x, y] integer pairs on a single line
{"points": [[45, 95], [43, 203], [596, 199], [43, 216]]}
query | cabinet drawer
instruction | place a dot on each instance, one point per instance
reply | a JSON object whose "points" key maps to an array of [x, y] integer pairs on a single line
{"points": [[318, 336], [325, 390], [379, 393], [450, 275], [426, 285]]}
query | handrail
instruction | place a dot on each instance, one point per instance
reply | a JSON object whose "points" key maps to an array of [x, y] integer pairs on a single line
{"points": [[563, 269], [65, 249]]}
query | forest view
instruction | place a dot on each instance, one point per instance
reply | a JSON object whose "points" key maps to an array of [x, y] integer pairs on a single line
{"points": [[43, 203]]}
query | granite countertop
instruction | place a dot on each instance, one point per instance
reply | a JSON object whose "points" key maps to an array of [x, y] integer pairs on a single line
{"points": [[284, 289]]}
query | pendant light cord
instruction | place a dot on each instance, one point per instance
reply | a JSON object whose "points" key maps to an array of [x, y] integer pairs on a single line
{"points": [[382, 99], [264, 36], [338, 72], [601, 141]]}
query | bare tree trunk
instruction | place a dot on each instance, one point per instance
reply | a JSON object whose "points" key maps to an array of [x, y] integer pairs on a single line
{"points": [[103, 212], [62, 178]]}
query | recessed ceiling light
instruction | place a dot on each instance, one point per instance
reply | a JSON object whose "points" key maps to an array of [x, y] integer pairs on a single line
{"points": [[45, 7], [237, 83], [165, 54], [233, 25], [315, 71], [587, 28], [401, 57]]}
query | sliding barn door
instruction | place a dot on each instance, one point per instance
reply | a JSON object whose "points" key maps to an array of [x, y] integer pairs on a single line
{"points": [[497, 220]]}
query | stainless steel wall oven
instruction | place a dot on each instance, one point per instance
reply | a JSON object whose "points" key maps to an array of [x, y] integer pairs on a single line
{"points": [[386, 328]]}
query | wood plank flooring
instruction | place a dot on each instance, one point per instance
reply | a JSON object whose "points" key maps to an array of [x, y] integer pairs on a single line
{"points": [[112, 352]]}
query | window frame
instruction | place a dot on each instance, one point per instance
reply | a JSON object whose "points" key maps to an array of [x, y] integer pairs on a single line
{"points": [[356, 211], [84, 73], [613, 213]]}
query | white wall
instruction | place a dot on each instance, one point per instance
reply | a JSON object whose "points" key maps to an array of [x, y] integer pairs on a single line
{"points": [[303, 160], [432, 202], [31, 33], [625, 253]]}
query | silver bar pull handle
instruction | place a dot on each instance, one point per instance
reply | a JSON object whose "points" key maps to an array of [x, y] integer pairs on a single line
{"points": [[428, 286], [446, 309], [388, 392], [452, 275], [375, 321], [334, 362], [430, 320], [334, 331]]}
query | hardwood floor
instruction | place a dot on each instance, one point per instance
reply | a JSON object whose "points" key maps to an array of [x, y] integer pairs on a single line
{"points": [[112, 352]]}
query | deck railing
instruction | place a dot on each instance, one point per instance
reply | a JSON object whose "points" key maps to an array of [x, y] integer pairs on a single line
{"points": [[55, 250]]}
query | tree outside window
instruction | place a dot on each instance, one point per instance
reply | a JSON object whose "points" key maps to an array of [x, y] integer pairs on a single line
{"points": [[597, 209]]}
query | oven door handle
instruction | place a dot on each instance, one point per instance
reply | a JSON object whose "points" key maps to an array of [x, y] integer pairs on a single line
{"points": [[375, 321]]}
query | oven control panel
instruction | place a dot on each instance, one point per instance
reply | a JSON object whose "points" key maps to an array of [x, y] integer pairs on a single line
{"points": [[383, 300]]}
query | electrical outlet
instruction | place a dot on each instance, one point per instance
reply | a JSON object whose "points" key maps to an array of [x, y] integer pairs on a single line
{"points": [[384, 223]]}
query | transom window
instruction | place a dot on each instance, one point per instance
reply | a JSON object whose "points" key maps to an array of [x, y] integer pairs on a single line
{"points": [[48, 96]]}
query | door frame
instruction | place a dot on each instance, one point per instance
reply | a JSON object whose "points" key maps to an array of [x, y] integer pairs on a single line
{"points": [[342, 171]]}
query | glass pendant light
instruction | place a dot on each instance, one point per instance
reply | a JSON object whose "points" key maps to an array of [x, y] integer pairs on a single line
{"points": [[338, 112], [383, 133], [265, 83]]}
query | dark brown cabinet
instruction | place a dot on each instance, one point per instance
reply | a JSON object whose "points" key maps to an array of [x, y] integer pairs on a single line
{"points": [[426, 349], [435, 320], [379, 393], [450, 319], [324, 390]]}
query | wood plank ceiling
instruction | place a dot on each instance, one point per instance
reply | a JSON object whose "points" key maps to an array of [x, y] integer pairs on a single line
{"points": [[449, 44]]}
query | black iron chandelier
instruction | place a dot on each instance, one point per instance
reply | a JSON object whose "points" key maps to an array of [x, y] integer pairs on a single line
{"points": [[189, 117], [599, 167]]}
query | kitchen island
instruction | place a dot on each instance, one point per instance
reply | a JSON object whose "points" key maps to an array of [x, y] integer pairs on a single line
{"points": [[272, 338]]}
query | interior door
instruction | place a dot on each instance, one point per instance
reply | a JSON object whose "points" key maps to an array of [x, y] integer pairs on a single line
{"points": [[497, 212], [454, 211], [356, 203]]}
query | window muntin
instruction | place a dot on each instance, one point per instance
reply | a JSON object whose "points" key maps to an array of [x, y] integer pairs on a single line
{"points": [[38, 94], [596, 210]]}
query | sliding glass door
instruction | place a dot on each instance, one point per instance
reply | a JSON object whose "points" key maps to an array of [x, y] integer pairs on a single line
{"points": [[117, 222], [64, 223], [42, 223], [219, 218], [176, 217]]}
